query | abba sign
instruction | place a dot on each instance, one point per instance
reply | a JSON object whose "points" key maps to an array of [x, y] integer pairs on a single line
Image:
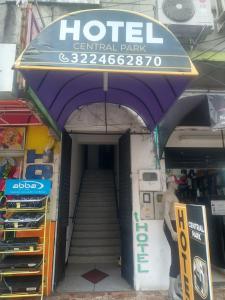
{"points": [[107, 40]]}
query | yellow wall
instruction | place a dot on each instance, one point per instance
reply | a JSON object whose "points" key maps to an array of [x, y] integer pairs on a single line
{"points": [[39, 141]]}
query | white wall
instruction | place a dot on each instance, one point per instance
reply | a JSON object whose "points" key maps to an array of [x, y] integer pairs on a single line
{"points": [[151, 250], [77, 167]]}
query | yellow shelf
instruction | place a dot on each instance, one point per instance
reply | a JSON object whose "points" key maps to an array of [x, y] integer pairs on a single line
{"points": [[23, 251], [22, 209], [22, 229], [19, 295], [20, 272], [40, 250]]}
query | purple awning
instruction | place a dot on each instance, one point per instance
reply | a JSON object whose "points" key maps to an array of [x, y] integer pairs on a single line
{"points": [[61, 92]]}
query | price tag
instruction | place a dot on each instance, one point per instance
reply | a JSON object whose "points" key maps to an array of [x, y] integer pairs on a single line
{"points": [[18, 205], [15, 225]]}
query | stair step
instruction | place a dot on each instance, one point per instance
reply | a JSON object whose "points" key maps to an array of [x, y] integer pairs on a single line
{"points": [[95, 242], [104, 192], [96, 234], [92, 259], [100, 198], [89, 193], [97, 204], [96, 209], [96, 214], [101, 182], [95, 250], [95, 227], [98, 220]]}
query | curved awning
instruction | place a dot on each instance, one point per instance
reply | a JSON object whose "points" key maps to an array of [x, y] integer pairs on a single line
{"points": [[17, 113], [109, 56]]}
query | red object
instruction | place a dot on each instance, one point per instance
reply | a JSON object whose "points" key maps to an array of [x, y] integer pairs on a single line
{"points": [[181, 180], [94, 276], [17, 113]]}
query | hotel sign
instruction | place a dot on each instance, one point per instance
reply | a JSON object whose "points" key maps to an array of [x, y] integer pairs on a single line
{"points": [[194, 255], [107, 40]]}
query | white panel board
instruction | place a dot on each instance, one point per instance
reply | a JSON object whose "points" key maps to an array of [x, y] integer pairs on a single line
{"points": [[7, 59]]}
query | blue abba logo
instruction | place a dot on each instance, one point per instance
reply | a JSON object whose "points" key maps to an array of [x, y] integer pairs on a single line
{"points": [[27, 187]]}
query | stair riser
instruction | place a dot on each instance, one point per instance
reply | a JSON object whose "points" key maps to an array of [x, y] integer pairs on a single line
{"points": [[84, 213], [95, 209], [105, 221], [97, 198], [92, 235], [92, 259], [105, 183], [99, 227], [95, 242], [97, 194], [97, 204], [95, 251]]}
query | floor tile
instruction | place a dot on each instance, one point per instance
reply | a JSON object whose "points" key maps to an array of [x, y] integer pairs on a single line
{"points": [[218, 276], [75, 284], [111, 269], [78, 269], [112, 283]]}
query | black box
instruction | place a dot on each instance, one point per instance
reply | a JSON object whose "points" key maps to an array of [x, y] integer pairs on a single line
{"points": [[26, 202], [24, 220]]}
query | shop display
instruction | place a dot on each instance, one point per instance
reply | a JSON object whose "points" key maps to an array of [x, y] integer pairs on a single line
{"points": [[26, 202], [22, 284], [21, 261], [24, 220], [22, 245], [207, 187], [19, 244]]}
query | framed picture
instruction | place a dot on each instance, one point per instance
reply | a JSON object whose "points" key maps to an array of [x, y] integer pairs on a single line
{"points": [[12, 138]]}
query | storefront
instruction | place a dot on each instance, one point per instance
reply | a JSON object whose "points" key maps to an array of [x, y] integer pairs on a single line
{"points": [[194, 152], [122, 62]]}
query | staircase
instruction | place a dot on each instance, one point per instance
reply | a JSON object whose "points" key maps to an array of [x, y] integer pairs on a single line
{"points": [[96, 237]]}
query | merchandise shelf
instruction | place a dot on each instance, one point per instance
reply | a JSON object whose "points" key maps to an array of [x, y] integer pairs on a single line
{"points": [[22, 229], [20, 295], [39, 250], [5, 209], [20, 272]]}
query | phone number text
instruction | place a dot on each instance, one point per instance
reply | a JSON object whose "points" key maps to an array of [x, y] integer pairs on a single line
{"points": [[110, 59]]}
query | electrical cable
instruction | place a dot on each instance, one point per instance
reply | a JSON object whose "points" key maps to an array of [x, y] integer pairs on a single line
{"points": [[127, 3], [212, 40], [208, 49]]}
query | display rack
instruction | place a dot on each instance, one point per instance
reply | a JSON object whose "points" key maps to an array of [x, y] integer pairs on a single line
{"points": [[40, 250]]}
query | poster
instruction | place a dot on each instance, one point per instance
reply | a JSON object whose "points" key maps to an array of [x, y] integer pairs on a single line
{"points": [[194, 256], [10, 167], [12, 138]]}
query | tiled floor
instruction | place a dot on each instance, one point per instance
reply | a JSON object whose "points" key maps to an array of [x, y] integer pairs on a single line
{"points": [[219, 294], [113, 287], [74, 282], [218, 277]]}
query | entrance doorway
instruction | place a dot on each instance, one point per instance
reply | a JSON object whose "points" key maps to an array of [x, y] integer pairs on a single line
{"points": [[99, 157], [99, 234]]}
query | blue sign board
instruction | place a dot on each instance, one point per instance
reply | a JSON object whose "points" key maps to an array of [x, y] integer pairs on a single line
{"points": [[107, 40], [28, 187]]}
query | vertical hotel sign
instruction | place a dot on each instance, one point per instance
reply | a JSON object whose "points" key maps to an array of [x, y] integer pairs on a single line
{"points": [[194, 252]]}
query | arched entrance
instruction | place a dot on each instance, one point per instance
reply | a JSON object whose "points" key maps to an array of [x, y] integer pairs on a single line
{"points": [[105, 56], [98, 140]]}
